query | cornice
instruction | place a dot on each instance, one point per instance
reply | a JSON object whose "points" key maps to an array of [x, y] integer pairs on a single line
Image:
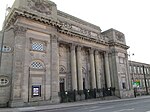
{"points": [[119, 45], [16, 13]]}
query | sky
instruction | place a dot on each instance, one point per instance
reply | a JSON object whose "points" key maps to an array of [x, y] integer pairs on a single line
{"points": [[131, 17]]}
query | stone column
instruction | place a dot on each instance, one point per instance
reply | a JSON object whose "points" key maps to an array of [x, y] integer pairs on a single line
{"points": [[128, 78], [54, 69], [92, 65], [107, 70], [18, 66], [73, 68], [97, 64], [79, 64]]}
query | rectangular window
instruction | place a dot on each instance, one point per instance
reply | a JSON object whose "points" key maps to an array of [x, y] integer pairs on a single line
{"points": [[141, 70], [138, 70], [147, 82], [143, 83], [147, 70], [37, 45], [134, 69]]}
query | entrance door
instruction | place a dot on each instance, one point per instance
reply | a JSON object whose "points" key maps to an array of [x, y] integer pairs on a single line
{"points": [[62, 85], [84, 84]]}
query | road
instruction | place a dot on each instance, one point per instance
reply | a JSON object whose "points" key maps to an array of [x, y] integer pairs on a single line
{"points": [[136, 105]]}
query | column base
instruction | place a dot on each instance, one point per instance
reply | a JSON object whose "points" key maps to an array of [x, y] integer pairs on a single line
{"points": [[55, 99], [92, 93], [99, 93], [81, 94], [3, 105]]}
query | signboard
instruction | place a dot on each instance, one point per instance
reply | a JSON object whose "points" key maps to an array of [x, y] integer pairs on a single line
{"points": [[136, 83], [36, 90]]}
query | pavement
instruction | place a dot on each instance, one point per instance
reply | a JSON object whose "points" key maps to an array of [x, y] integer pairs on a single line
{"points": [[64, 105]]}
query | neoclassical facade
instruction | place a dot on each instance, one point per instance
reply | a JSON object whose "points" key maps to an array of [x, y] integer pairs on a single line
{"points": [[46, 52]]}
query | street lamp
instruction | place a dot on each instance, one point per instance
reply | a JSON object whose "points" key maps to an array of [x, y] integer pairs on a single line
{"points": [[3, 34], [132, 68]]}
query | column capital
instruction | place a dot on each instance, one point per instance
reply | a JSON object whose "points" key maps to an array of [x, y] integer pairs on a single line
{"points": [[54, 38], [79, 48], [20, 30], [73, 46], [91, 50], [96, 52], [106, 53]]}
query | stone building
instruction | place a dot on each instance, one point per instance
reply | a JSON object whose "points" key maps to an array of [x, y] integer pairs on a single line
{"points": [[47, 51]]}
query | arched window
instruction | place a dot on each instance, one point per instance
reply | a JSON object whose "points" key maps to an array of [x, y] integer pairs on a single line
{"points": [[37, 64]]}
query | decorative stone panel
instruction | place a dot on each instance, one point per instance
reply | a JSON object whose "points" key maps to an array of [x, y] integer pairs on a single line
{"points": [[40, 6]]}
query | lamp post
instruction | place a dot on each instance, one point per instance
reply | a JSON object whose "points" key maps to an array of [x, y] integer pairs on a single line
{"points": [[3, 35], [145, 80], [132, 69]]}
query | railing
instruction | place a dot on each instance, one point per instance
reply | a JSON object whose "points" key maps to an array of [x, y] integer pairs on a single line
{"points": [[72, 96]]}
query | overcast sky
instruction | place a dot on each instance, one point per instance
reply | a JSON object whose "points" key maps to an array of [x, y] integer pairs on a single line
{"points": [[132, 17]]}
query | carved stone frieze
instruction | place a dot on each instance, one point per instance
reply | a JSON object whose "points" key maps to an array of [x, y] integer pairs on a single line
{"points": [[40, 6], [76, 29], [72, 18], [67, 25], [62, 51], [94, 34], [84, 55], [84, 70], [62, 69]]}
